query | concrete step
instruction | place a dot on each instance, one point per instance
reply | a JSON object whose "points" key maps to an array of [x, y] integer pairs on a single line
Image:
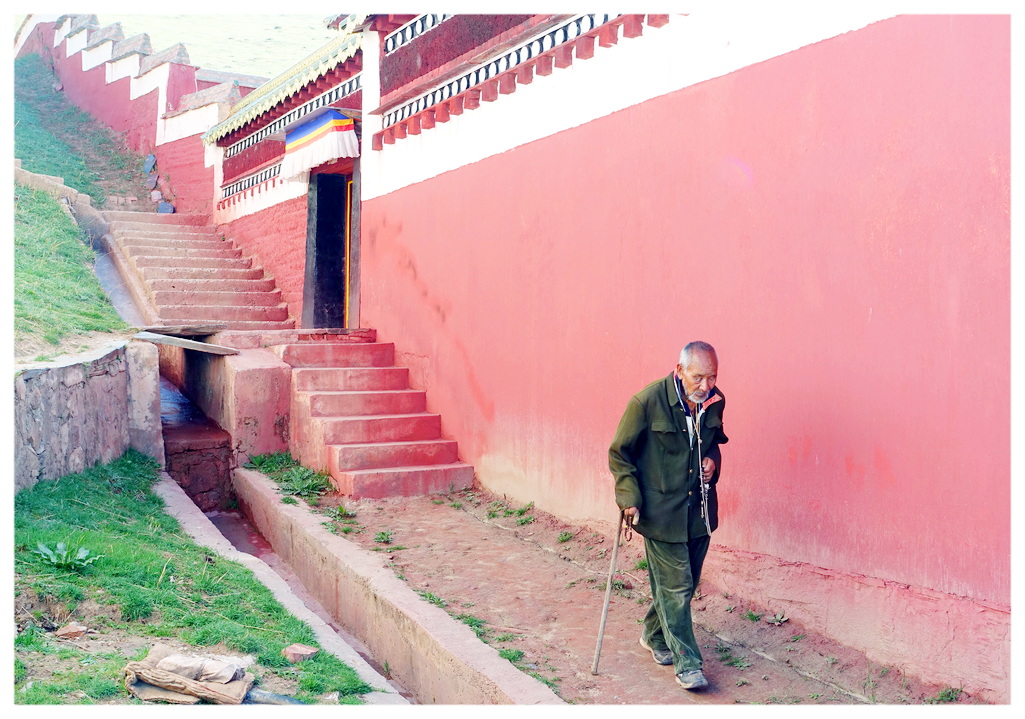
{"points": [[199, 273], [377, 455], [241, 263], [126, 230], [175, 254], [212, 285], [397, 401], [350, 378], [221, 314], [337, 354], [173, 241], [218, 299], [404, 481], [157, 218], [234, 325], [380, 428]]}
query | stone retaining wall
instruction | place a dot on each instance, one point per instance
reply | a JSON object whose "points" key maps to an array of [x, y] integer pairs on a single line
{"points": [[86, 410]]}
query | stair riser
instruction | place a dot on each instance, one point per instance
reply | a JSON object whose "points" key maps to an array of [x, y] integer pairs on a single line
{"points": [[233, 325], [346, 458], [156, 218], [223, 314], [137, 243], [213, 286], [199, 273], [174, 253], [336, 354], [367, 403], [220, 299], [196, 263], [404, 483], [123, 230], [355, 379], [381, 429]]}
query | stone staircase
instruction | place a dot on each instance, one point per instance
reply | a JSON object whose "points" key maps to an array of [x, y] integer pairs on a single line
{"points": [[354, 417], [188, 274]]}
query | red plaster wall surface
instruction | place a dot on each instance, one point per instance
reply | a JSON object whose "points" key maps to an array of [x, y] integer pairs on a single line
{"points": [[190, 185], [110, 104], [276, 239], [834, 220]]}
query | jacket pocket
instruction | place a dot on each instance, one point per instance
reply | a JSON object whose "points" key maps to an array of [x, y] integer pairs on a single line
{"points": [[669, 438]]}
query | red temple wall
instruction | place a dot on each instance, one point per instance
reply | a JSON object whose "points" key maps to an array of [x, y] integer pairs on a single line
{"points": [[835, 221]]}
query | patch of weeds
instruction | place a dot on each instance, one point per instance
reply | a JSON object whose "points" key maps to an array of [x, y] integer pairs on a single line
{"points": [[798, 637], [752, 616], [432, 598], [778, 619], [507, 637], [550, 683], [884, 671], [946, 696], [456, 505], [477, 624], [726, 657], [641, 564], [64, 557], [393, 548], [32, 639], [783, 700], [513, 655], [289, 499], [339, 513], [730, 610], [523, 510], [815, 696], [565, 536], [330, 526], [525, 520], [384, 537], [437, 501]]}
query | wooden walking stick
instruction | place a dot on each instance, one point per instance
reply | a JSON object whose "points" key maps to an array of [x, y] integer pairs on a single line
{"points": [[608, 594]]}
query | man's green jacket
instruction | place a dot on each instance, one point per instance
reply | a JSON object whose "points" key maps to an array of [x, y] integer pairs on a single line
{"points": [[655, 467]]}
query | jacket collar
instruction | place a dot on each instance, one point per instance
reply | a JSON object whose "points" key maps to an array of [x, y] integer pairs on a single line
{"points": [[674, 398]]}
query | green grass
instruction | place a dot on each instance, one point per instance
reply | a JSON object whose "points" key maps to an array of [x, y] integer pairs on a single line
{"points": [[56, 294], [292, 478], [53, 137], [152, 581]]}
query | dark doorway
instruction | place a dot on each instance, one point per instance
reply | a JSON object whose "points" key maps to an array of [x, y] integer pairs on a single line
{"points": [[328, 241]]}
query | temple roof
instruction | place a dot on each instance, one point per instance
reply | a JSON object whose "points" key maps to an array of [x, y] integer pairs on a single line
{"points": [[273, 92]]}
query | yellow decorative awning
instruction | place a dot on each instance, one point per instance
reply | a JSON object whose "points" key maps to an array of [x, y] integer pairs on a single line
{"points": [[280, 88]]}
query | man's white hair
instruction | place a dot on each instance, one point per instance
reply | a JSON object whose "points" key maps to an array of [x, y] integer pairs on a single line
{"points": [[687, 352]]}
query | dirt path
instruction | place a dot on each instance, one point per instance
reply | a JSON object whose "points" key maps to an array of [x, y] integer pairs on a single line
{"points": [[537, 585]]}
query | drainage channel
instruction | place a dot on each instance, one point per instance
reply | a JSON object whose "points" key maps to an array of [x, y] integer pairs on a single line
{"points": [[197, 458]]}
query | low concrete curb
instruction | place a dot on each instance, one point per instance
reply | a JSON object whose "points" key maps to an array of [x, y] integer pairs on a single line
{"points": [[438, 659], [202, 530]]}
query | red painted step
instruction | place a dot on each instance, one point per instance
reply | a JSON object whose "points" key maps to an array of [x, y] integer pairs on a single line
{"points": [[396, 401], [265, 284], [350, 378], [143, 261], [337, 354], [237, 299], [158, 218], [380, 428], [200, 273], [223, 314], [404, 481], [378, 455]]}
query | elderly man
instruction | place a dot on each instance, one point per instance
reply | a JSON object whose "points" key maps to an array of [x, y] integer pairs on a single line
{"points": [[666, 461]]}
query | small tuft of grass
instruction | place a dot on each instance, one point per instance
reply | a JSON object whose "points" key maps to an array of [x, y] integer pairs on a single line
{"points": [[565, 536], [946, 696], [752, 615]]}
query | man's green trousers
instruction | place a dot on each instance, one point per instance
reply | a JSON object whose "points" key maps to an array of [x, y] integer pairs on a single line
{"points": [[674, 569]]}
